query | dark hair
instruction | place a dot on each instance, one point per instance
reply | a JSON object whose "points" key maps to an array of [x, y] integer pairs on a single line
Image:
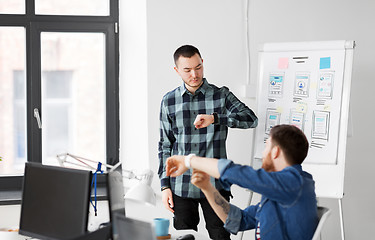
{"points": [[186, 51], [292, 142]]}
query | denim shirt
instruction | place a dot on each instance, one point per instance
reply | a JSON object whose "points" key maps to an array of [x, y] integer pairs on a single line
{"points": [[287, 209]]}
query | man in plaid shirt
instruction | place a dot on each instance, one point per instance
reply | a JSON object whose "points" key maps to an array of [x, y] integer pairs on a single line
{"points": [[194, 119]]}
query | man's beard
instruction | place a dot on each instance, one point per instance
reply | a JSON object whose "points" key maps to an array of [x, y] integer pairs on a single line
{"points": [[268, 166]]}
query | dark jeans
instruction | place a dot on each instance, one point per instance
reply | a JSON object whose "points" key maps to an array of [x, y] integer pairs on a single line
{"points": [[186, 216]]}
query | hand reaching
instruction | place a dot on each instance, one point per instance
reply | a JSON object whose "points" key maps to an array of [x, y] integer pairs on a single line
{"points": [[201, 180]]}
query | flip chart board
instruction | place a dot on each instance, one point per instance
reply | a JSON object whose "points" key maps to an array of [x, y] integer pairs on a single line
{"points": [[307, 84]]}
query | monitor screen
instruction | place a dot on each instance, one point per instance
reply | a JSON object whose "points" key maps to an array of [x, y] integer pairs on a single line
{"points": [[55, 202]]}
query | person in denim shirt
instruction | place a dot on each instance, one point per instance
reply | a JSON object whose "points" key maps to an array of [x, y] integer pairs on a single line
{"points": [[287, 209]]}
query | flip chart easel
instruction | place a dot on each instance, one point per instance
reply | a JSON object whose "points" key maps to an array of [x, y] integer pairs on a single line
{"points": [[307, 84]]}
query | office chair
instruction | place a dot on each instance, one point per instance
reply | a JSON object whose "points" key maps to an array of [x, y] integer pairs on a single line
{"points": [[323, 214]]}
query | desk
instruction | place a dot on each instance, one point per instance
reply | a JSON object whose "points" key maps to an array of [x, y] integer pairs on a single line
{"points": [[11, 236], [175, 234]]}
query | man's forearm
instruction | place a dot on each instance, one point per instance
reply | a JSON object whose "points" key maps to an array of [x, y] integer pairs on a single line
{"points": [[207, 165], [218, 203]]}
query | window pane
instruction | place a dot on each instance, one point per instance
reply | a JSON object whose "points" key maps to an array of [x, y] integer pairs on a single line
{"points": [[72, 7], [12, 100], [73, 96], [58, 84], [12, 6], [57, 136]]}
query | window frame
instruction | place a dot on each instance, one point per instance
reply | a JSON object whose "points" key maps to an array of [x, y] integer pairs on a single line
{"points": [[34, 25]]}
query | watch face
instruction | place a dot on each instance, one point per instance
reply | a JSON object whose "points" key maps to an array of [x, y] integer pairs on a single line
{"points": [[216, 120]]}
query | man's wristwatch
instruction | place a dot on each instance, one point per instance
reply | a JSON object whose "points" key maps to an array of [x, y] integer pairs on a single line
{"points": [[163, 188], [216, 118], [188, 159]]}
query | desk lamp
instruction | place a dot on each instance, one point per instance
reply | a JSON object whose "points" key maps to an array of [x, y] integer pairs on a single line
{"points": [[140, 192]]}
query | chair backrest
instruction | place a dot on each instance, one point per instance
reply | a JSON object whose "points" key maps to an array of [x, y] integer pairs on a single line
{"points": [[323, 214]]}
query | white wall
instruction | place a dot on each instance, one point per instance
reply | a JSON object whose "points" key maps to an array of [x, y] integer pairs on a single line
{"points": [[133, 84]]}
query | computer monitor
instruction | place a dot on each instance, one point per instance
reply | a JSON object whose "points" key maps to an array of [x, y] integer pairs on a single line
{"points": [[116, 203], [55, 202]]}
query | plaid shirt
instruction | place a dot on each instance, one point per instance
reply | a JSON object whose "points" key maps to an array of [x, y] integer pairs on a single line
{"points": [[178, 135]]}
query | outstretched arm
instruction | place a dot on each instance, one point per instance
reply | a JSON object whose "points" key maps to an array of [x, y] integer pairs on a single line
{"points": [[175, 165], [217, 202]]}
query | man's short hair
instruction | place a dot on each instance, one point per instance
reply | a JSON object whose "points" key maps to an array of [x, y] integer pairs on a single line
{"points": [[186, 51], [292, 141]]}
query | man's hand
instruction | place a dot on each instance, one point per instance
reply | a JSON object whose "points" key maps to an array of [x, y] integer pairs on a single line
{"points": [[175, 166], [167, 199], [201, 180], [203, 120]]}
